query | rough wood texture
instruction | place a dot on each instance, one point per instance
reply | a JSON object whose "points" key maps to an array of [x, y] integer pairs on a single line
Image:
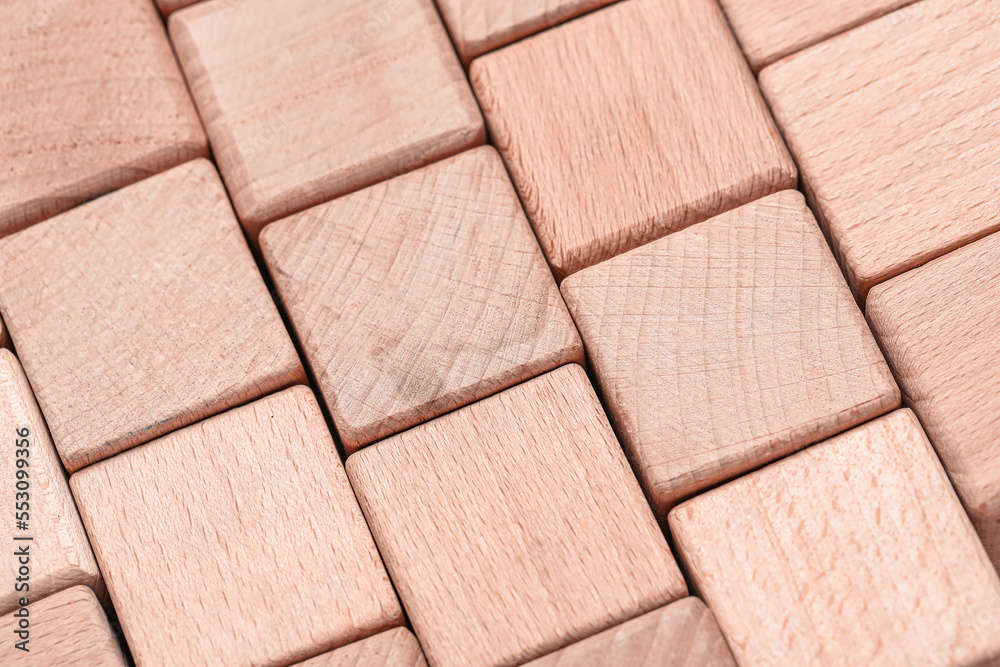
{"points": [[769, 30], [727, 345], [514, 526], [649, 121], [896, 127], [248, 518], [92, 100], [395, 648], [68, 629], [938, 326], [141, 312], [478, 26], [683, 634], [419, 295], [307, 100], [853, 552], [59, 553]]}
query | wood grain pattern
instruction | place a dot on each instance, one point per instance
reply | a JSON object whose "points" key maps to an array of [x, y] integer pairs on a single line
{"points": [[682, 634], [419, 295], [307, 100], [727, 345], [896, 127], [394, 648], [938, 326], [92, 100], [248, 518], [769, 30], [650, 122], [68, 629], [853, 552], [59, 554], [514, 526], [141, 312]]}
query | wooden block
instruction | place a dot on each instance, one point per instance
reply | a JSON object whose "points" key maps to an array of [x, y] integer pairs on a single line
{"points": [[394, 648], [478, 26], [419, 295], [141, 312], [938, 326], [853, 552], [651, 122], [514, 526], [67, 628], [682, 634], [769, 30], [728, 345], [52, 541], [307, 100], [247, 518], [92, 100], [169, 6], [894, 126]]}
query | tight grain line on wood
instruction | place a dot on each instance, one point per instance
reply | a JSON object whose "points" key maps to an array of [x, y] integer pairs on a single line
{"points": [[394, 648]]}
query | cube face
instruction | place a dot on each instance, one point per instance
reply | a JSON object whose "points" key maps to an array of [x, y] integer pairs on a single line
{"points": [[880, 117], [657, 124], [141, 312], [845, 554], [392, 648], [278, 575], [514, 526], [308, 100], [728, 345], [93, 101], [419, 295], [938, 325]]}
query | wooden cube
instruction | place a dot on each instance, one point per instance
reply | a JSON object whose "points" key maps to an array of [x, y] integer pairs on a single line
{"points": [[628, 124], [393, 648], [419, 295], [93, 100], [894, 126], [43, 530], [307, 100], [853, 552], [728, 345], [247, 518], [141, 312], [514, 526]]}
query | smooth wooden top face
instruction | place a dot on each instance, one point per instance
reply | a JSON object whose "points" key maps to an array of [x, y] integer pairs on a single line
{"points": [[514, 526], [894, 128], [769, 30], [59, 552], [393, 648], [141, 312], [307, 100], [92, 100], [419, 295], [650, 122], [682, 634], [938, 326], [727, 345], [853, 552], [247, 517], [67, 628]]}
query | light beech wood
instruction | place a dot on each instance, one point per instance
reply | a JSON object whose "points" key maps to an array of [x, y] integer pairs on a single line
{"points": [[141, 312], [247, 518], [895, 128], [853, 552], [419, 295], [514, 526], [92, 100], [627, 124], [59, 554], [68, 629], [938, 326], [394, 648], [727, 345], [307, 100]]}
